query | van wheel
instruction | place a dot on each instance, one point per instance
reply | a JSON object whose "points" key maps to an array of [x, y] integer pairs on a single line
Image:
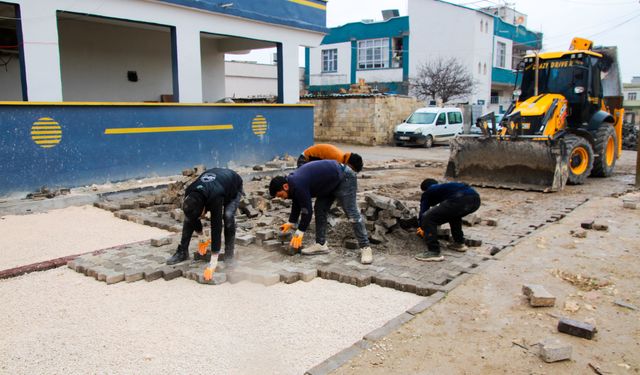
{"points": [[428, 142]]}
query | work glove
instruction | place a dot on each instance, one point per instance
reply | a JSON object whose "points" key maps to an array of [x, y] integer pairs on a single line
{"points": [[296, 241], [420, 232], [285, 228], [202, 246]]}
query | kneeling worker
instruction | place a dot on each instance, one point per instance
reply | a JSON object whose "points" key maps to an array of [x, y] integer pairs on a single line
{"points": [[324, 180], [444, 203], [324, 151], [217, 190]]}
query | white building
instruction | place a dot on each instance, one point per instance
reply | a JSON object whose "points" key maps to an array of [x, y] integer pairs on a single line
{"points": [[387, 54], [135, 50]]}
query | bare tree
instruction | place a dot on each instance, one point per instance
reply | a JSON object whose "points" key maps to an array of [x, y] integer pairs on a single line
{"points": [[442, 78]]}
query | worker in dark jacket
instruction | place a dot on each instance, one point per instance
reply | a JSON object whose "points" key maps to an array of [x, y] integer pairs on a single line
{"points": [[324, 151], [217, 190], [324, 180], [444, 203]]}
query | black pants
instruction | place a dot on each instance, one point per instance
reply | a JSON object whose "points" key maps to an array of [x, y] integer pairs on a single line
{"points": [[449, 211]]}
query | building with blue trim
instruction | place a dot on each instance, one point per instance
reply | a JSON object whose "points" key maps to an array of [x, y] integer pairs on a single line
{"points": [[387, 54], [96, 91]]}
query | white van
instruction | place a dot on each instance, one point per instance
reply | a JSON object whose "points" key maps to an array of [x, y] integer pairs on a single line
{"points": [[427, 126]]}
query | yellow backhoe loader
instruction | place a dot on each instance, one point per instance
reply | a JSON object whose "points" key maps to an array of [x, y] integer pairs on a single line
{"points": [[565, 125]]}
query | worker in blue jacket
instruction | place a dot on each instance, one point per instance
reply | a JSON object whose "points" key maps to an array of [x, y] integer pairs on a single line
{"points": [[444, 203], [324, 180], [217, 190]]}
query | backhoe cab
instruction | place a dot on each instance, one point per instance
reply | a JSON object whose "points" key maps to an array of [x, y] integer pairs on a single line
{"points": [[565, 125]]}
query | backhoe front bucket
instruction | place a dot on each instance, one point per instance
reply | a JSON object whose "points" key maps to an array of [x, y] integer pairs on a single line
{"points": [[508, 163]]}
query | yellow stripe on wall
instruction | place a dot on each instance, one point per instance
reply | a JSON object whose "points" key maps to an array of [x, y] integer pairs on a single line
{"points": [[168, 129], [45, 132], [309, 4]]}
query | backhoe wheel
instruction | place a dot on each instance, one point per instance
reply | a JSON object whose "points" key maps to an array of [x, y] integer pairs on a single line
{"points": [[579, 159], [606, 146]]}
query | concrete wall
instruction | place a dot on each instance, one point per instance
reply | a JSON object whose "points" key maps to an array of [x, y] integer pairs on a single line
{"points": [[360, 120], [446, 30]]}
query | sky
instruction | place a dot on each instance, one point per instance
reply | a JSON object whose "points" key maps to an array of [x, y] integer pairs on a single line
{"points": [[606, 22]]}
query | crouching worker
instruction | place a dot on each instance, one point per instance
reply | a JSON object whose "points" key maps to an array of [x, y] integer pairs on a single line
{"points": [[444, 203], [324, 180], [218, 191], [323, 151]]}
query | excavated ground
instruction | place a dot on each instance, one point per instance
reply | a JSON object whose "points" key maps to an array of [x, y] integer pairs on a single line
{"points": [[504, 219]]}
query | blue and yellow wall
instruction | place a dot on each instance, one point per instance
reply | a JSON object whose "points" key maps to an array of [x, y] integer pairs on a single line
{"points": [[73, 144]]}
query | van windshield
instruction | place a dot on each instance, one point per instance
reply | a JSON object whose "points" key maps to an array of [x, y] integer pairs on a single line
{"points": [[421, 118]]}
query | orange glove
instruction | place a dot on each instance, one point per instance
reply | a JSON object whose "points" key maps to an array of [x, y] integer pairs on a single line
{"points": [[285, 228], [420, 232], [202, 247], [296, 241], [208, 274]]}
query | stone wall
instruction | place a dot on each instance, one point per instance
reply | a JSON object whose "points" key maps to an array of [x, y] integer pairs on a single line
{"points": [[366, 120]]}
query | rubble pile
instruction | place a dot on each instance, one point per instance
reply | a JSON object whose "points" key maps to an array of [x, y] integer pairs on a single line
{"points": [[383, 215], [44, 193], [629, 137]]}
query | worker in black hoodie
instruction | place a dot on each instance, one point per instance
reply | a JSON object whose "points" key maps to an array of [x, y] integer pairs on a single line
{"points": [[217, 190], [444, 203]]}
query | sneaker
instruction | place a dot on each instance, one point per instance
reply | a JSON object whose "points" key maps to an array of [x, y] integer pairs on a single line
{"points": [[366, 255], [429, 256], [315, 249], [457, 246]]}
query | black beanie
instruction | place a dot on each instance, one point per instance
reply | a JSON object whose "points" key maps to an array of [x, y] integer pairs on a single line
{"points": [[193, 205]]}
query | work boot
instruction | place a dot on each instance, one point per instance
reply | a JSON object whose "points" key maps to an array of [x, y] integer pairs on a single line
{"points": [[179, 256], [366, 255], [430, 256], [315, 249], [457, 246]]}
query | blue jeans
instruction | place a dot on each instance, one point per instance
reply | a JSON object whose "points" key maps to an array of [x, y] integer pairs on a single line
{"points": [[346, 195]]}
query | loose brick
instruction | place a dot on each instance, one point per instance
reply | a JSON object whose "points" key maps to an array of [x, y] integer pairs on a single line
{"points": [[152, 274], [133, 275], [289, 277], [538, 296], [600, 227], [308, 275], [245, 240], [492, 222], [576, 328], [157, 242], [114, 277], [629, 204], [265, 234], [272, 245], [170, 273], [473, 242], [587, 224], [553, 350]]}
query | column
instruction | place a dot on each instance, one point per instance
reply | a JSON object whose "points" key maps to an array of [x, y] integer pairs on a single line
{"points": [[40, 51], [187, 65]]}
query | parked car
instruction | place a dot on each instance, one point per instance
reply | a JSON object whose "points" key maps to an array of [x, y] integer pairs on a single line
{"points": [[427, 126]]}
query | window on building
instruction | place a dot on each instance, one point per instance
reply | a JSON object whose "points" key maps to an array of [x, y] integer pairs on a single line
{"points": [[484, 69], [631, 96], [479, 68], [329, 60], [501, 56], [373, 53], [481, 25], [396, 57]]}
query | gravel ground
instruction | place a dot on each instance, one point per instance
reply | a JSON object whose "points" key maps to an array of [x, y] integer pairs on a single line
{"points": [[60, 321], [35, 238]]}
